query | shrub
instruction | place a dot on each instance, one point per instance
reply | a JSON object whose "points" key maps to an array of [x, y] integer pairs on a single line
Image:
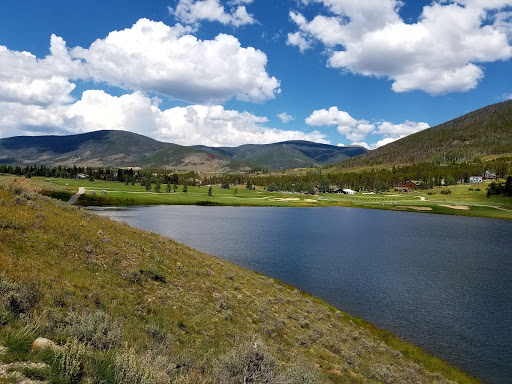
{"points": [[19, 298], [96, 328], [68, 365], [301, 373], [153, 275], [446, 191], [247, 362], [128, 371]]}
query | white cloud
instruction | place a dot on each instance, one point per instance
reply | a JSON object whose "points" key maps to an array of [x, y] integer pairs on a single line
{"points": [[357, 130], [363, 144], [285, 117], [195, 124], [438, 54], [354, 130], [153, 57], [193, 11], [507, 96], [400, 130], [41, 82], [298, 40]]}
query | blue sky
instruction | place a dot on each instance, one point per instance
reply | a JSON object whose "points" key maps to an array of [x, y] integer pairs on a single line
{"points": [[231, 72]]}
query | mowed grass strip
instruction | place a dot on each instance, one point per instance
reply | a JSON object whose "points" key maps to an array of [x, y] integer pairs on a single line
{"points": [[168, 305]]}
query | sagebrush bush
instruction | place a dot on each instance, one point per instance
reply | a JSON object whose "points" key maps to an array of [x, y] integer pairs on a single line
{"points": [[19, 298], [247, 362], [69, 362], [96, 328], [301, 373], [129, 371]]}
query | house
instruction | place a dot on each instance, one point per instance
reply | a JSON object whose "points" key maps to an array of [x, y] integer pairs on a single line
{"points": [[348, 191], [81, 176], [475, 179], [107, 177], [488, 175], [411, 185]]}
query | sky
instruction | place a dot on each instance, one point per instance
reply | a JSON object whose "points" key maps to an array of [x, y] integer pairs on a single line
{"points": [[232, 72]]}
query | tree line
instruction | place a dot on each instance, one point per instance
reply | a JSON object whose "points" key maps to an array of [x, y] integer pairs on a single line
{"points": [[315, 180]]}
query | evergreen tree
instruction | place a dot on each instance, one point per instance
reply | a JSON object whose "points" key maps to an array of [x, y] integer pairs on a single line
{"points": [[210, 191]]}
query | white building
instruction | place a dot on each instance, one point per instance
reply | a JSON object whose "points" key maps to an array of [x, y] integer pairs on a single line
{"points": [[348, 191]]}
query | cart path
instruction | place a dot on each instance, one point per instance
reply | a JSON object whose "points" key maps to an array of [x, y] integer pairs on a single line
{"points": [[75, 197]]}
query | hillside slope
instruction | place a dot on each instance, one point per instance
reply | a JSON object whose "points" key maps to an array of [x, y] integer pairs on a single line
{"points": [[130, 306], [482, 132]]}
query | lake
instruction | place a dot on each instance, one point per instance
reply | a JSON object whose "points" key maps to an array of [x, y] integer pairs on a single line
{"points": [[441, 282]]}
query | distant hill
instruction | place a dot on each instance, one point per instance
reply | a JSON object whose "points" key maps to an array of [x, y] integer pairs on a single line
{"points": [[127, 149], [288, 154], [486, 131]]}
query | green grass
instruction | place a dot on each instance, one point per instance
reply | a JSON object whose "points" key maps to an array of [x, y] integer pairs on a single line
{"points": [[136, 301], [120, 194]]}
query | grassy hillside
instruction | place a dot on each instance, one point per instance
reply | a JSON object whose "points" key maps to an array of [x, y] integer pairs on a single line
{"points": [[487, 131], [128, 306]]}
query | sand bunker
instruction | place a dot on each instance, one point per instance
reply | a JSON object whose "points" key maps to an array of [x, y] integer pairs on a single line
{"points": [[310, 200], [461, 207], [416, 208], [286, 199]]}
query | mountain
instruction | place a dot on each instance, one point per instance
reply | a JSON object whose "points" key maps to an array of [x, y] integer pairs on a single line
{"points": [[287, 154], [127, 149], [486, 131]]}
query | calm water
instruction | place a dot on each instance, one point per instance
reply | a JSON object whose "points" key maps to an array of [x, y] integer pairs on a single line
{"points": [[441, 282]]}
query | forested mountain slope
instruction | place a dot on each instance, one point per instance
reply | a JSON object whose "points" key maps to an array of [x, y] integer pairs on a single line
{"points": [[485, 131]]}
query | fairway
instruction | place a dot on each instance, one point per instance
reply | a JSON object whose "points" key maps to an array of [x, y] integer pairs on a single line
{"points": [[464, 199]]}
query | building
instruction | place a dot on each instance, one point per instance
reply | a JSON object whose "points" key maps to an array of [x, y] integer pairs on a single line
{"points": [[488, 175], [348, 191], [411, 185], [475, 179], [81, 176]]}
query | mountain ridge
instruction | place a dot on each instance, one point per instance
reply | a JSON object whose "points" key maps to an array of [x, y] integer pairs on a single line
{"points": [[127, 149]]}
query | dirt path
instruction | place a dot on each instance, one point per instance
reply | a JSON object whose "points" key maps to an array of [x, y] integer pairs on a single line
{"points": [[75, 197]]}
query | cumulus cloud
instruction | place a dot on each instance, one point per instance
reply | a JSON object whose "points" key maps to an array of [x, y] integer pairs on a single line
{"points": [[298, 39], [193, 11], [195, 124], [148, 57], [357, 130], [40, 82], [285, 117], [153, 57], [438, 54]]}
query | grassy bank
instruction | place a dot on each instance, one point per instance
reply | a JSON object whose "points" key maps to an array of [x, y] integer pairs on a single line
{"points": [[129, 306], [462, 200]]}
